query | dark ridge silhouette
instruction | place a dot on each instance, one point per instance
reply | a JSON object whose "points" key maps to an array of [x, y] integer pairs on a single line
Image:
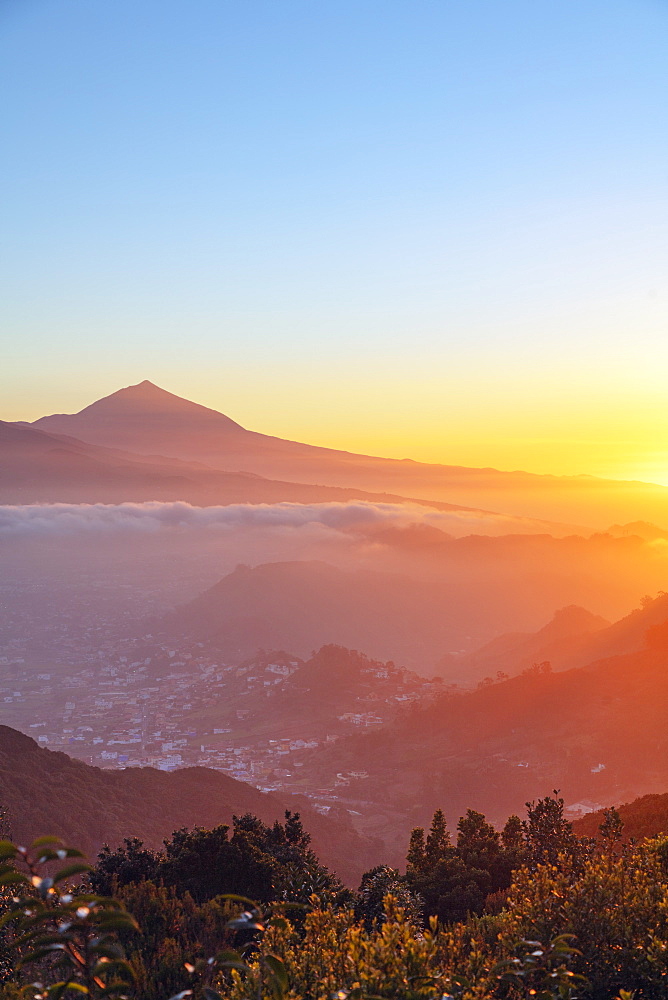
{"points": [[46, 791]]}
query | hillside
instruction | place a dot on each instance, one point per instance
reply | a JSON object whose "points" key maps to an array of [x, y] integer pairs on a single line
{"points": [[557, 643], [275, 696], [146, 419], [597, 732], [644, 817], [573, 638], [301, 606], [47, 792], [432, 605], [37, 466]]}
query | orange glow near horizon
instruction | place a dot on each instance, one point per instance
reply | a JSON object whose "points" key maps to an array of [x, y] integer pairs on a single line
{"points": [[489, 422]]}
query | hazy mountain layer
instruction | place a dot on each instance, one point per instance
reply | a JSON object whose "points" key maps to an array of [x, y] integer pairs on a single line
{"points": [[37, 467], [146, 419], [573, 638], [598, 733], [444, 598], [559, 642]]}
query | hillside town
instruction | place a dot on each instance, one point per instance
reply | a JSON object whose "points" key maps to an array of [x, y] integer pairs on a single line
{"points": [[119, 702]]}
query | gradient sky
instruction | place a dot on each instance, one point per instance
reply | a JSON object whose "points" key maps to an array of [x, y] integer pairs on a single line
{"points": [[428, 229]]}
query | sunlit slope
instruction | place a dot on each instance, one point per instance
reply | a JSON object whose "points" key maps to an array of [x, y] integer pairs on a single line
{"points": [[146, 419], [644, 817], [598, 733]]}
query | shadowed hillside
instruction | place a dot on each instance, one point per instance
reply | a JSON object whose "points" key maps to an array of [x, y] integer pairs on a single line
{"points": [[49, 792]]}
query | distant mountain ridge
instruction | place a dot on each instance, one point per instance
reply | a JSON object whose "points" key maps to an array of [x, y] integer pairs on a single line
{"points": [[431, 612], [559, 642], [588, 639], [303, 605], [148, 420], [119, 413], [39, 466]]}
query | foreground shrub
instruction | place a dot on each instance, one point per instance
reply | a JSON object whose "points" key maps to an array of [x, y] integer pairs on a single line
{"points": [[615, 905], [70, 938]]}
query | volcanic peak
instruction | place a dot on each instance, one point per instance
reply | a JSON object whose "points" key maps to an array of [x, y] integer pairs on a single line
{"points": [[145, 400]]}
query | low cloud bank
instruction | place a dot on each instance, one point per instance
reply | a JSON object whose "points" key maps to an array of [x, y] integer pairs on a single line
{"points": [[61, 519]]}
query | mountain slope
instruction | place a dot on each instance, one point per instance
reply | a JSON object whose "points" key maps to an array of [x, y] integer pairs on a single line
{"points": [[47, 792], [597, 733], [558, 643], [37, 466], [588, 639], [644, 817], [149, 420], [430, 611], [301, 606]]}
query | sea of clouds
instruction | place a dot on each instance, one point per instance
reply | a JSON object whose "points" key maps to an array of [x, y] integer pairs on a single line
{"points": [[62, 519]]}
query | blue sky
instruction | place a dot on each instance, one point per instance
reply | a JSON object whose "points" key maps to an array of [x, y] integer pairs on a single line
{"points": [[390, 226]]}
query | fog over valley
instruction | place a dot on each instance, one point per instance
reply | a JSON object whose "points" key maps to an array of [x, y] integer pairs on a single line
{"points": [[276, 641]]}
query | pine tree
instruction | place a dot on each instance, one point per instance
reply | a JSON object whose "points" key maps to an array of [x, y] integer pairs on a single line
{"points": [[438, 844], [416, 859]]}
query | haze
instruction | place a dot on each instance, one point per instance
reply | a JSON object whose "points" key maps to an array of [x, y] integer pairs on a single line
{"points": [[332, 404]]}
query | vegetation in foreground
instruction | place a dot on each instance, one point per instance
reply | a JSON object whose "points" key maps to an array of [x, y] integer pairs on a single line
{"points": [[532, 912]]}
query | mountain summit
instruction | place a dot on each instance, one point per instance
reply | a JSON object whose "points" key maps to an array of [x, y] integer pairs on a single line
{"points": [[148, 420], [115, 420]]}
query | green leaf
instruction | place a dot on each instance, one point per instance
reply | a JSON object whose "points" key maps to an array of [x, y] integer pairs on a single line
{"points": [[7, 849], [77, 987], [12, 877], [235, 964], [117, 922], [279, 977], [76, 868], [107, 948], [228, 956], [118, 966], [37, 954], [44, 842], [48, 854], [58, 990], [10, 915]]}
